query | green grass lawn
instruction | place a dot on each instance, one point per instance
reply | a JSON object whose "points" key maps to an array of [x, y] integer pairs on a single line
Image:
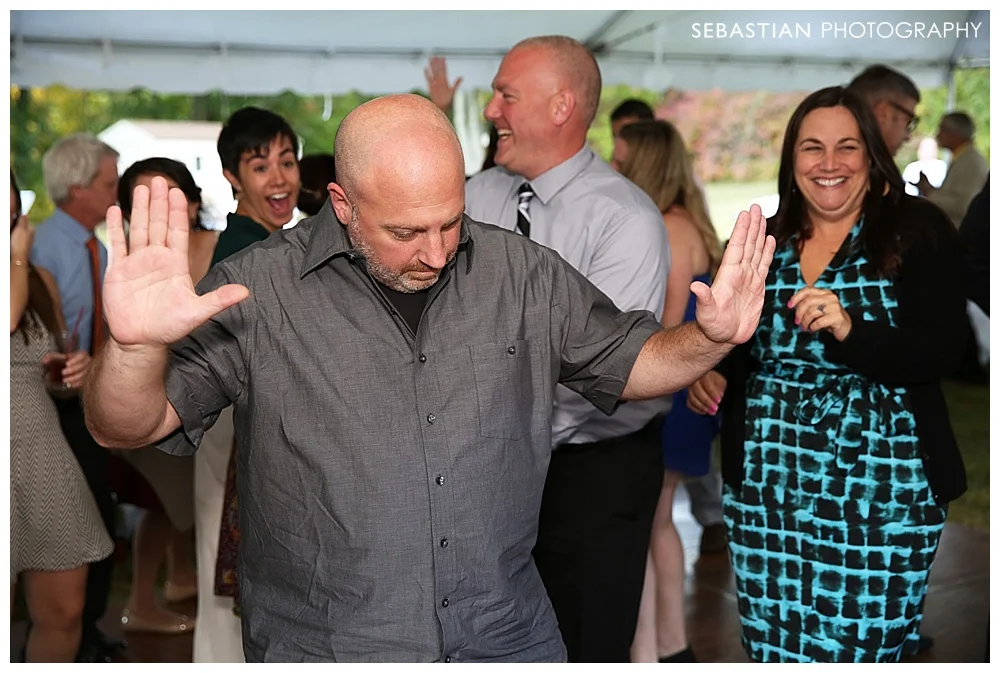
{"points": [[727, 199], [969, 408]]}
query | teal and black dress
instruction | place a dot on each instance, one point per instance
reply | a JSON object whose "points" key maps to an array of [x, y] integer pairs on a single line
{"points": [[835, 526]]}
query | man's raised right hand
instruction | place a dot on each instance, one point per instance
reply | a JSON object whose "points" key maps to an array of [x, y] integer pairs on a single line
{"points": [[149, 299]]}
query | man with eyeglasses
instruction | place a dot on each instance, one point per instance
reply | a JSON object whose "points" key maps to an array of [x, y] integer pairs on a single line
{"points": [[893, 98]]}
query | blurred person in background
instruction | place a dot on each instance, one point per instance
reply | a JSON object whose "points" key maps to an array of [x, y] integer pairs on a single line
{"points": [[56, 529], [653, 155], [160, 484], [259, 154], [966, 173], [81, 177], [317, 172]]}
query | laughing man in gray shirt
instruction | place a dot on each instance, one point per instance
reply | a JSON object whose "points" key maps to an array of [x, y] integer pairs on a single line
{"points": [[392, 365], [606, 473]]}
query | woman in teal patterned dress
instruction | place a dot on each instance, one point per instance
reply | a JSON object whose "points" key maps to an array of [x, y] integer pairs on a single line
{"points": [[838, 455]]}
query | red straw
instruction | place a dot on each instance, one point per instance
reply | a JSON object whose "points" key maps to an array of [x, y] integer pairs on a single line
{"points": [[76, 328]]}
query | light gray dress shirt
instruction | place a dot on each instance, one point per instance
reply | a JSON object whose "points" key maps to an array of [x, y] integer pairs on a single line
{"points": [[390, 482], [612, 233]]}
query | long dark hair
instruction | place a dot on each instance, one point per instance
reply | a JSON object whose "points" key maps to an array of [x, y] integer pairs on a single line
{"points": [[41, 309], [881, 238], [170, 168]]}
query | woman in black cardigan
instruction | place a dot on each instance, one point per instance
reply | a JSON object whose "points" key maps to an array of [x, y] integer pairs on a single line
{"points": [[838, 455]]}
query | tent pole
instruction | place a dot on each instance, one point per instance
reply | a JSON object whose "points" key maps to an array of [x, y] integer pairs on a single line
{"points": [[949, 105]]}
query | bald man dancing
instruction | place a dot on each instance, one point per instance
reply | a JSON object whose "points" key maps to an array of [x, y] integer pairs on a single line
{"points": [[391, 364]]}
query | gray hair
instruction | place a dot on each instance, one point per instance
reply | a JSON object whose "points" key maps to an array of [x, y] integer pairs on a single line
{"points": [[960, 124], [73, 161]]}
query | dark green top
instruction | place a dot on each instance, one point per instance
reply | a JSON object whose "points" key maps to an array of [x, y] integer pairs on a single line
{"points": [[241, 232]]}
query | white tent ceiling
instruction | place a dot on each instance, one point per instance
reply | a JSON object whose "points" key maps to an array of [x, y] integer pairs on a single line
{"points": [[331, 52]]}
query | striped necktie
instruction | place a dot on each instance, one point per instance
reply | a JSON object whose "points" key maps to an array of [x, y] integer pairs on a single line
{"points": [[524, 195]]}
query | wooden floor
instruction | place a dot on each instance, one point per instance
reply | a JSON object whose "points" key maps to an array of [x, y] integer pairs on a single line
{"points": [[956, 612]]}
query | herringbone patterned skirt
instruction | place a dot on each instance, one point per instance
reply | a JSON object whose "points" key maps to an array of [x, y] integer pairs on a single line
{"points": [[54, 521]]}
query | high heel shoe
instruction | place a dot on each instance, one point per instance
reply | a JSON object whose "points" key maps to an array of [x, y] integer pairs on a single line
{"points": [[178, 593], [176, 626]]}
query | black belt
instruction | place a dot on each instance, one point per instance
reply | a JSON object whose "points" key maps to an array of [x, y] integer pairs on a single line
{"points": [[653, 426]]}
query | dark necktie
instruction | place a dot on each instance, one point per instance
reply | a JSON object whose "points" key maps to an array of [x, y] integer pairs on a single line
{"points": [[524, 194]]}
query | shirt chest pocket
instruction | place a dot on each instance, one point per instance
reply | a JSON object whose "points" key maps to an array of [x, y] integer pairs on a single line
{"points": [[504, 389]]}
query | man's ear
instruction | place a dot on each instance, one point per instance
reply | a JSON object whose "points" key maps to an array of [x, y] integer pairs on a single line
{"points": [[563, 105], [341, 204], [883, 112]]}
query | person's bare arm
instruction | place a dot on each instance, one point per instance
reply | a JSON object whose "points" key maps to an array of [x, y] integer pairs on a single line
{"points": [[727, 315], [150, 302], [671, 360], [126, 402], [20, 246], [681, 270]]}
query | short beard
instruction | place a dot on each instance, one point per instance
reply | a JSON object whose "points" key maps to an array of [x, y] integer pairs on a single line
{"points": [[380, 272]]}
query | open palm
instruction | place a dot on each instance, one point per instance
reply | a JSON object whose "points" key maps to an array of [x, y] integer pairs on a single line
{"points": [[729, 311], [149, 298]]}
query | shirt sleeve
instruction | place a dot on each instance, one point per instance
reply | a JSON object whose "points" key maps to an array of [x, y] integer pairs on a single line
{"points": [[207, 369], [632, 261], [596, 342]]}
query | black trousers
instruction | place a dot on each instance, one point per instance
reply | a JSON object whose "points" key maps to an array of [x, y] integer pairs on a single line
{"points": [[93, 459], [593, 535]]}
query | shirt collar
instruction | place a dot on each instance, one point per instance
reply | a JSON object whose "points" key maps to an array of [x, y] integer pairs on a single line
{"points": [[551, 182], [71, 226], [328, 239]]}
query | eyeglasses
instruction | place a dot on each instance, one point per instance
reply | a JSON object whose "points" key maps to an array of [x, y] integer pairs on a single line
{"points": [[911, 125]]}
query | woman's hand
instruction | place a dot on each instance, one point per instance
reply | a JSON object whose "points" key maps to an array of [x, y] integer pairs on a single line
{"points": [[75, 371], [705, 394], [817, 309]]}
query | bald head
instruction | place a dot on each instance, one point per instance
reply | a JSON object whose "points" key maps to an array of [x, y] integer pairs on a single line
{"points": [[400, 189], [396, 142], [575, 67]]}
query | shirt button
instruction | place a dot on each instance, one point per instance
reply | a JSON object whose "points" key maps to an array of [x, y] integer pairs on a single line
{"points": [[447, 660], [511, 350], [440, 480], [445, 603], [422, 358], [444, 542], [431, 418]]}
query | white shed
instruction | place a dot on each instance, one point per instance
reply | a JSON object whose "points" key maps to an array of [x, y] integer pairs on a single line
{"points": [[190, 142]]}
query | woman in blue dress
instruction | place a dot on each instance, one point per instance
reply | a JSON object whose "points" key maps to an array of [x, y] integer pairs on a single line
{"points": [[652, 154], [838, 455]]}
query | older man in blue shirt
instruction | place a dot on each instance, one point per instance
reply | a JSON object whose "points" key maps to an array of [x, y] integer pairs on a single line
{"points": [[81, 177]]}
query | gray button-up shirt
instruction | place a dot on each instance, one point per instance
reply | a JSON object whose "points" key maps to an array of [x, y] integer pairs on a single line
{"points": [[612, 233], [390, 483]]}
